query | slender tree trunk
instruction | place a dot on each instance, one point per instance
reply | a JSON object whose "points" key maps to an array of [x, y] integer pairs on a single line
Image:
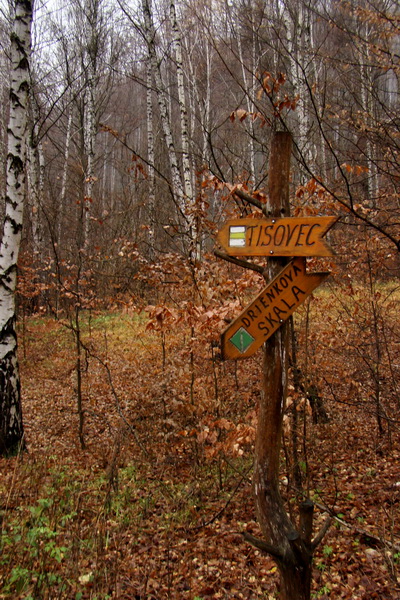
{"points": [[89, 143], [11, 427], [189, 200], [368, 108], [207, 107], [35, 193], [63, 192], [151, 160], [200, 113], [79, 395], [249, 90], [297, 19], [35, 175], [150, 35], [36, 157], [177, 46]]}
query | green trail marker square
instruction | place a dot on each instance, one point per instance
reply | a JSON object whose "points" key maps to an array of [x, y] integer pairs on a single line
{"points": [[242, 339]]}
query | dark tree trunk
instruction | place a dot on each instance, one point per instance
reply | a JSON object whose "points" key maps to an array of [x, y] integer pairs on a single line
{"points": [[319, 414], [11, 432], [295, 581], [290, 549]]}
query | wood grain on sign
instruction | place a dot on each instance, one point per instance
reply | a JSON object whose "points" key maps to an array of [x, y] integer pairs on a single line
{"points": [[272, 307], [289, 236]]}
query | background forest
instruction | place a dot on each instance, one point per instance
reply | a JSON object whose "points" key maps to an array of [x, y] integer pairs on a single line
{"points": [[150, 125]]}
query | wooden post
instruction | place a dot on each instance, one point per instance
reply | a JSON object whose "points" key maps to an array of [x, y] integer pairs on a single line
{"points": [[290, 549]]}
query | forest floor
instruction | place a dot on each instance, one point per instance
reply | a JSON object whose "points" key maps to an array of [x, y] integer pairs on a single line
{"points": [[154, 505]]}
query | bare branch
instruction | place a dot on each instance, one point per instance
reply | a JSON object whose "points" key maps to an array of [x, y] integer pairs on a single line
{"points": [[263, 546], [321, 534], [239, 262], [248, 198]]}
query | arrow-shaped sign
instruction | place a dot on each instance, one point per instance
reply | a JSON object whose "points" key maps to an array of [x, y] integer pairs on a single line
{"points": [[269, 310], [291, 236]]}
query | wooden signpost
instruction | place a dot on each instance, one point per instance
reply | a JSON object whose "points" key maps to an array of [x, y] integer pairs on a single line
{"points": [[265, 320], [291, 236], [272, 307]]}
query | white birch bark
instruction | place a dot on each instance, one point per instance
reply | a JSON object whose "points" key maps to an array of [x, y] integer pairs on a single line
{"points": [[297, 19], [92, 45], [193, 111], [150, 34], [89, 145], [11, 427], [4, 90], [92, 13], [35, 174], [200, 112], [367, 103], [177, 48], [200, 108], [151, 159], [189, 200], [249, 123], [63, 192]]}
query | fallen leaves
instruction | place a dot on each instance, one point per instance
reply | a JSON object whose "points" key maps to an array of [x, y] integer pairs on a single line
{"points": [[154, 507]]}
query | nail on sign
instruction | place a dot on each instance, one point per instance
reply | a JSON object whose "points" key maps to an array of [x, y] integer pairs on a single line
{"points": [[272, 307]]}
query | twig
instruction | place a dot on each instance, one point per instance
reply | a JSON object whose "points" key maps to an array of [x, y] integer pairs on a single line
{"points": [[366, 534], [219, 513]]}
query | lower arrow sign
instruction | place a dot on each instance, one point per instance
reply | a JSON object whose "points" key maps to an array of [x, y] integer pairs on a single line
{"points": [[272, 307]]}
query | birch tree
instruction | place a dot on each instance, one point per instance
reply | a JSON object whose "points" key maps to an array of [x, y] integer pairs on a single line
{"points": [[188, 188], [4, 91], [177, 48], [298, 44], [151, 159], [11, 426], [165, 72], [35, 176], [93, 20], [150, 37]]}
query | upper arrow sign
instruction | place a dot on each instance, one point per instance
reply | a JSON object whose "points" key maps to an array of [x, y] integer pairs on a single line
{"points": [[272, 307], [291, 236]]}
